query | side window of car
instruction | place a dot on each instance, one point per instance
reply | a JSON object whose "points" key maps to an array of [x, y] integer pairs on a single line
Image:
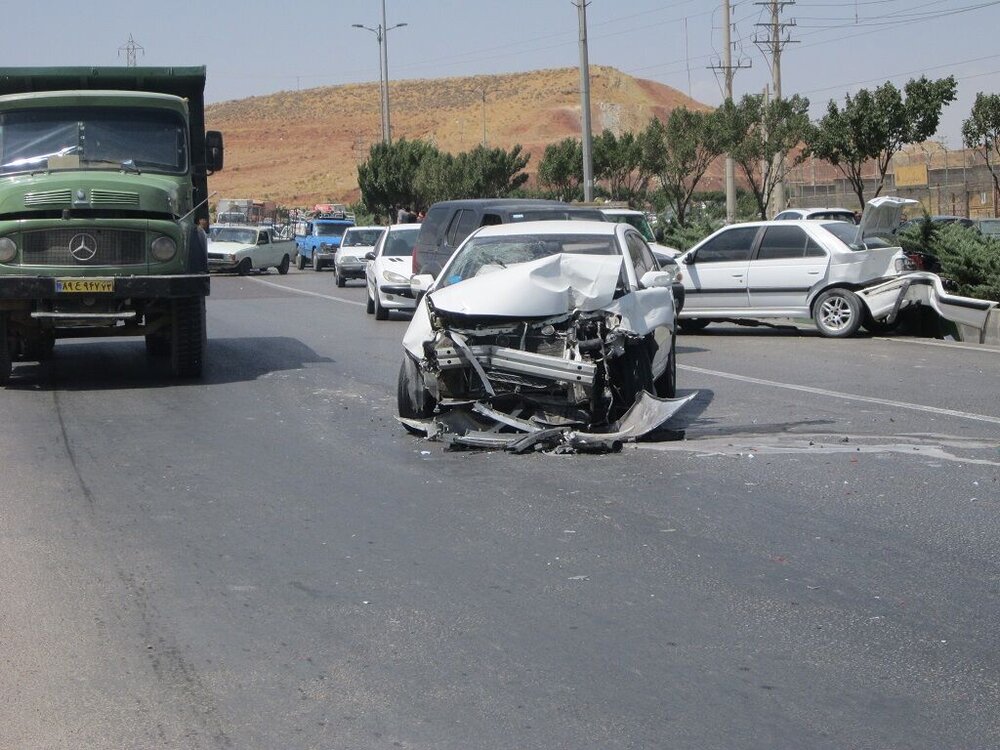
{"points": [[452, 230], [814, 249], [729, 245], [467, 223], [642, 256], [263, 239], [490, 220], [782, 242]]}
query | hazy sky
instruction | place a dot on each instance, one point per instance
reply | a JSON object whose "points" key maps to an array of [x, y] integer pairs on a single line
{"points": [[256, 47]]}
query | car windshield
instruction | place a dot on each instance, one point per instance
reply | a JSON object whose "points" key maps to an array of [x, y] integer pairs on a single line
{"points": [[234, 234], [362, 237], [638, 221], [486, 254], [329, 230], [848, 234], [77, 138], [400, 243]]}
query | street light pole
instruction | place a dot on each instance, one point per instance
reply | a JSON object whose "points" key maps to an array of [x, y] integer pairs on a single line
{"points": [[588, 163], [380, 32]]}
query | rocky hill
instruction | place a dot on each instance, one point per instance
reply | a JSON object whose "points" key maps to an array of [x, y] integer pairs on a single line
{"points": [[302, 147]]}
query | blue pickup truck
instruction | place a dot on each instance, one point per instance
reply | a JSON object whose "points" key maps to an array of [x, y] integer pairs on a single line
{"points": [[317, 240]]}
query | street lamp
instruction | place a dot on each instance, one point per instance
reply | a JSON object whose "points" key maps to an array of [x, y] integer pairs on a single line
{"points": [[383, 68]]}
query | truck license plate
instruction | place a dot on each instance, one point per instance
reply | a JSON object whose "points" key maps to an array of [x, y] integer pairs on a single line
{"points": [[85, 286]]}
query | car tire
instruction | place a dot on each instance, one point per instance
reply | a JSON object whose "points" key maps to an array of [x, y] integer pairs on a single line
{"points": [[381, 313], [341, 281], [692, 325], [245, 267], [6, 362], [631, 374], [300, 262], [317, 263], [837, 313], [370, 305], [413, 401], [666, 384], [283, 266]]}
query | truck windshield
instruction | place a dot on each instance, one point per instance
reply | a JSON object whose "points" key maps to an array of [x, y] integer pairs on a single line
{"points": [[77, 138], [329, 230]]}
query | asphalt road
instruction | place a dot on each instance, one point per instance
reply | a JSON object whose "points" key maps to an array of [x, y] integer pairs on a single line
{"points": [[264, 559]]}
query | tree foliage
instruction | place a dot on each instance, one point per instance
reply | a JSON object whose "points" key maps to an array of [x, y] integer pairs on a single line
{"points": [[981, 132], [759, 135], [387, 179], [875, 125], [969, 258], [619, 160], [679, 152], [561, 168]]}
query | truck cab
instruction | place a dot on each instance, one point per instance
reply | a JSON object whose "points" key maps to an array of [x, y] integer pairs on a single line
{"points": [[318, 239]]}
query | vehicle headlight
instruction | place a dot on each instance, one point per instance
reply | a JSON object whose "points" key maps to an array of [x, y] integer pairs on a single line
{"points": [[229, 258], [8, 249], [163, 249], [394, 278]]}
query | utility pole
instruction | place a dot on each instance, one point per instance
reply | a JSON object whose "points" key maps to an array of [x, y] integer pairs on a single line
{"points": [[130, 48], [483, 92], [588, 160], [728, 70], [772, 44]]}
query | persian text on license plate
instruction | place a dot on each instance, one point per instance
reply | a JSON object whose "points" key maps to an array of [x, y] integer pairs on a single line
{"points": [[85, 286]]}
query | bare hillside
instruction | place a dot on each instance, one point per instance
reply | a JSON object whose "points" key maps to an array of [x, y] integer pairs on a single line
{"points": [[301, 147]]}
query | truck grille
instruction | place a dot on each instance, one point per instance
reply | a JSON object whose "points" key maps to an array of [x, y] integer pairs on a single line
{"points": [[59, 197], [105, 197], [110, 247]]}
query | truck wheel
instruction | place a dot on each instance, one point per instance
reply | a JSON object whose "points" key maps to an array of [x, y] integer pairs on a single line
{"points": [[39, 349], [245, 267], [187, 336], [158, 344], [317, 263], [300, 262], [6, 364], [413, 401], [837, 313], [283, 266]]}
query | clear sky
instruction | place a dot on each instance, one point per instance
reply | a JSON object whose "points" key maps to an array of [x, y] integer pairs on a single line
{"points": [[259, 47]]}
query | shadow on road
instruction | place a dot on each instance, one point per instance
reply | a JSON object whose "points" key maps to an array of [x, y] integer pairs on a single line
{"points": [[109, 364]]}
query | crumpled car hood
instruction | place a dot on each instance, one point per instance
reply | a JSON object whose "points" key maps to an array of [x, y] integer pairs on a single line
{"points": [[541, 288]]}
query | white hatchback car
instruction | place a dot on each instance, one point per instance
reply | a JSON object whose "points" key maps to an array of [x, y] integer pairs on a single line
{"points": [[356, 243], [795, 268], [390, 266]]}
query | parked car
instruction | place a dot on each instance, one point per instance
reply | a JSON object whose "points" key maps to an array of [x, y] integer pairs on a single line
{"points": [[247, 248], [448, 223], [317, 240], [817, 214], [638, 220], [356, 243], [389, 270], [796, 268], [548, 323]]}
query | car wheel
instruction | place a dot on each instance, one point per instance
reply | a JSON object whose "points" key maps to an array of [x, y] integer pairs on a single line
{"points": [[283, 266], [317, 263], [370, 306], [341, 281], [245, 267], [837, 313], [381, 313], [629, 375], [666, 384], [300, 262], [413, 401], [692, 325]]}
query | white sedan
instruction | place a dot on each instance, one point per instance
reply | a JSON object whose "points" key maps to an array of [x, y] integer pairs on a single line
{"points": [[247, 248], [390, 266], [356, 243]]}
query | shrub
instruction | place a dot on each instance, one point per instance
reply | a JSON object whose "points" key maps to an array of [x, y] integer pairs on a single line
{"points": [[967, 257]]}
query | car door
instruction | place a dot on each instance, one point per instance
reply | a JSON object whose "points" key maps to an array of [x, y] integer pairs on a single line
{"points": [[715, 272], [643, 260], [787, 264]]}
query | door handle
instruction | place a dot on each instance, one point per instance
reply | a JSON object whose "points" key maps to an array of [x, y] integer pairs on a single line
{"points": [[737, 276]]}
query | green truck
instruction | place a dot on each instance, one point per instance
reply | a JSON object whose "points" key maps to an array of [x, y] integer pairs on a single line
{"points": [[103, 181]]}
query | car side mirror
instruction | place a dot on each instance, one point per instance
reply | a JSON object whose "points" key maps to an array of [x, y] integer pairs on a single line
{"points": [[656, 279], [420, 283], [370, 255], [214, 151], [689, 260]]}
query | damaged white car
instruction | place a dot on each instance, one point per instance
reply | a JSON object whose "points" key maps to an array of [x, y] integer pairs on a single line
{"points": [[842, 276], [553, 334]]}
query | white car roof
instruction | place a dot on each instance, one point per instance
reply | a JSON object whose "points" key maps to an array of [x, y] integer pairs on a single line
{"points": [[548, 227], [359, 229]]}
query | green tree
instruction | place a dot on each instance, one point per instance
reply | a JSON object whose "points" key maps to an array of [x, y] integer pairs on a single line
{"points": [[490, 172], [619, 161], [387, 177], [759, 135], [981, 132], [875, 125], [561, 168], [679, 153]]}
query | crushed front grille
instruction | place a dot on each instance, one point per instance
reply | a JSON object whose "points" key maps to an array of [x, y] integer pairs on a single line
{"points": [[89, 247]]}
